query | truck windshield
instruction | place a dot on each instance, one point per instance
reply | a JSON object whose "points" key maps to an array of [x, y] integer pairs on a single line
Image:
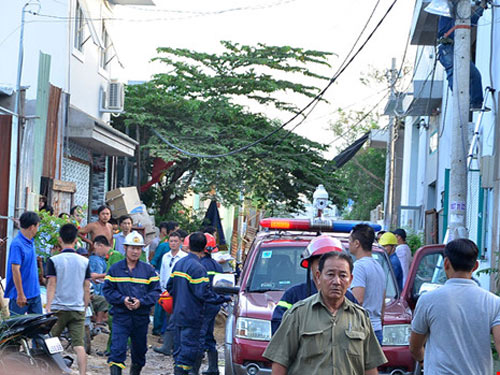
{"points": [[277, 268]]}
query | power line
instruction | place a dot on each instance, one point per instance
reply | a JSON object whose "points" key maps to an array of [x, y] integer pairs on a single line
{"points": [[311, 103]]}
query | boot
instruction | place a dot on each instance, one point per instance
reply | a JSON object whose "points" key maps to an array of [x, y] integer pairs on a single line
{"points": [[168, 343], [213, 363], [115, 370], [180, 371], [196, 366], [135, 369]]}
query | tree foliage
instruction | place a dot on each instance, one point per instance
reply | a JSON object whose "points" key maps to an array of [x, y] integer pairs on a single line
{"points": [[361, 180], [199, 107]]}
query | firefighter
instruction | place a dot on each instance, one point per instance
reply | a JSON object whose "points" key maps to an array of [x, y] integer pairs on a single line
{"points": [[189, 287], [132, 288], [207, 340], [310, 260]]}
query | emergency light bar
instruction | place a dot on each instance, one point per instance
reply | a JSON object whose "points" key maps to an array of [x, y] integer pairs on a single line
{"points": [[317, 224]]}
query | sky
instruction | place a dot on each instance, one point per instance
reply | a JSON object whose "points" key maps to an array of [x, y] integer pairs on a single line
{"points": [[323, 25]]}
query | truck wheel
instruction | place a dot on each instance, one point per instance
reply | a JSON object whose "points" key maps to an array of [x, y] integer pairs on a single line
{"points": [[87, 340]]}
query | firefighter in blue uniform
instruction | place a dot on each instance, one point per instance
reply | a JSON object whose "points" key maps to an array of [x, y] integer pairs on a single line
{"points": [[317, 247], [132, 288], [189, 287], [207, 340]]}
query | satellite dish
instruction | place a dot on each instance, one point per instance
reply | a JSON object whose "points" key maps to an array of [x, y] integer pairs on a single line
{"points": [[440, 8]]}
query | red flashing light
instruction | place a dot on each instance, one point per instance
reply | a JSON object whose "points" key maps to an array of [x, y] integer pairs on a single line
{"points": [[290, 224]]}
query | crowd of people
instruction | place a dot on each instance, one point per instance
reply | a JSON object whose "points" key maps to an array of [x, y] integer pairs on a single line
{"points": [[340, 305], [113, 275]]}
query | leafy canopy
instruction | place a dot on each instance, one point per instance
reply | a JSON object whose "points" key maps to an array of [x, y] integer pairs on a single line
{"points": [[199, 106]]}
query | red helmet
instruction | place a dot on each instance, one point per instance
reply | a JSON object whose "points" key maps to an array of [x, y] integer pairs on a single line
{"points": [[318, 246], [167, 302], [211, 246], [185, 244]]}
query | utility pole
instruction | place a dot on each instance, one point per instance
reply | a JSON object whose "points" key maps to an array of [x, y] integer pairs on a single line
{"points": [[390, 155], [460, 139]]}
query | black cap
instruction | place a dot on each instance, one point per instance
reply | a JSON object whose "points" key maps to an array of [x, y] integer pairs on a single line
{"points": [[400, 232]]}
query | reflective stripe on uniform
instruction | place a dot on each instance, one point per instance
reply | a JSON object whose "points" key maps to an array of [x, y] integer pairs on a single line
{"points": [[184, 367], [189, 278], [132, 279], [213, 273], [285, 304], [120, 365]]}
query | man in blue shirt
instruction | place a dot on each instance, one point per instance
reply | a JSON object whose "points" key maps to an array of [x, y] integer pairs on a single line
{"points": [[389, 242], [98, 266], [23, 287]]}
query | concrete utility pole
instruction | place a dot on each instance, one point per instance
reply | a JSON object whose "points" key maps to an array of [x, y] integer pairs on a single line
{"points": [[460, 139], [390, 156]]}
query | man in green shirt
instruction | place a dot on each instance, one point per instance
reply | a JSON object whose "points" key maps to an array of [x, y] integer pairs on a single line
{"points": [[326, 333]]}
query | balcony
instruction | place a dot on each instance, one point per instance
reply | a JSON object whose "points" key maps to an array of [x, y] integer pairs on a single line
{"points": [[425, 100], [98, 136], [424, 27]]}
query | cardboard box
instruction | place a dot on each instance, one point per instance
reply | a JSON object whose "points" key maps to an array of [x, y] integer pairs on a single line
{"points": [[124, 201]]}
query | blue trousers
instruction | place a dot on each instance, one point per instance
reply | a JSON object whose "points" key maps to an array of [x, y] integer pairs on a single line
{"points": [[476, 87], [34, 306], [125, 326], [186, 346], [159, 319], [207, 339]]}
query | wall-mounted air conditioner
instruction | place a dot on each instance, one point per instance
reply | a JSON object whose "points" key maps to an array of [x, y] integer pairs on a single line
{"points": [[112, 98]]}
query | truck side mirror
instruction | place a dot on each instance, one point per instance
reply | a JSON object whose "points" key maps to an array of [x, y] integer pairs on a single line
{"points": [[224, 283]]}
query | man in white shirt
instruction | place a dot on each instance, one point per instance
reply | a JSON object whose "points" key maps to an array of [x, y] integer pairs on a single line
{"points": [[167, 265], [403, 252]]}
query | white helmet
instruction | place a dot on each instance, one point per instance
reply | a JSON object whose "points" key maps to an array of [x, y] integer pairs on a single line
{"points": [[134, 239]]}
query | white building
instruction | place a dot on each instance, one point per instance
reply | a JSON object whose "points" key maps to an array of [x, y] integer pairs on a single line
{"points": [[71, 81], [428, 121]]}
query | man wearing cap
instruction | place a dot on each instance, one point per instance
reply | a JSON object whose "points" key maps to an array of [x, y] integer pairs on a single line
{"points": [[132, 288], [317, 247], [403, 252]]}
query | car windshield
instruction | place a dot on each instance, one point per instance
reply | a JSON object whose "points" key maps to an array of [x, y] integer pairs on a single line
{"points": [[277, 268]]}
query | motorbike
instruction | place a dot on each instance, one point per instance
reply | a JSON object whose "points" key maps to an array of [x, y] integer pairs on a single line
{"points": [[26, 346]]}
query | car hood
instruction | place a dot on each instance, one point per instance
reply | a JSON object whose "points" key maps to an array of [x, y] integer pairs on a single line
{"points": [[258, 305], [397, 312]]}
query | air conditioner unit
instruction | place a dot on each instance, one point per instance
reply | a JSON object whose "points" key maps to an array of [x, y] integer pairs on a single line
{"points": [[112, 99]]}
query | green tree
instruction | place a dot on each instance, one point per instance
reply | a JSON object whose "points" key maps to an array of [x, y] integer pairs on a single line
{"points": [[361, 179], [199, 107]]}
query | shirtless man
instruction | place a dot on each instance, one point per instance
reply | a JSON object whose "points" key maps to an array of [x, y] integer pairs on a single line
{"points": [[101, 227]]}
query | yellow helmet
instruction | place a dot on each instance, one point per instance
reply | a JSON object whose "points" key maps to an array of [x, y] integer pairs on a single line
{"points": [[388, 238]]}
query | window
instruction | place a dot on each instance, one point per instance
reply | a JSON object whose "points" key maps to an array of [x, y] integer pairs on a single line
{"points": [[105, 51], [79, 28], [277, 268]]}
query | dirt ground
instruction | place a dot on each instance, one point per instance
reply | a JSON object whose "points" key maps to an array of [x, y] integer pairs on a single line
{"points": [[156, 364]]}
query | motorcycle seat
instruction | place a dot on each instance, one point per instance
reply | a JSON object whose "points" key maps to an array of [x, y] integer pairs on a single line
{"points": [[20, 320]]}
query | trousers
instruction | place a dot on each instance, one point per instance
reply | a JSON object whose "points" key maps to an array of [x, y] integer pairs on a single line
{"points": [[186, 346], [475, 84], [124, 326], [207, 339]]}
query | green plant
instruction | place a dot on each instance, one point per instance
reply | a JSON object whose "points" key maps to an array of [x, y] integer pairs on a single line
{"points": [[415, 241], [48, 232], [189, 219]]}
